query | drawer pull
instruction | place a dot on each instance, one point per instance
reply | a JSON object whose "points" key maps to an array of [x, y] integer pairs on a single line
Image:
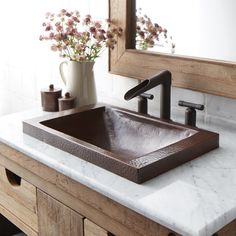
{"points": [[13, 179]]}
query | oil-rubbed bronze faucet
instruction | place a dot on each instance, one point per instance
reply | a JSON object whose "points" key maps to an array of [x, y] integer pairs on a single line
{"points": [[163, 79]]}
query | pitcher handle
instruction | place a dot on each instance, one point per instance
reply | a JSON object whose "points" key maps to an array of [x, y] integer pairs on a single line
{"points": [[62, 72]]}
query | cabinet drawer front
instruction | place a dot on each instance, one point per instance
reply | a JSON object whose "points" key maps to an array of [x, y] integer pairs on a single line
{"points": [[91, 229], [56, 219], [18, 197]]}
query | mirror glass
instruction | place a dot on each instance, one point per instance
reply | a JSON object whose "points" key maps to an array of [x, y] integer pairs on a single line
{"points": [[196, 28]]}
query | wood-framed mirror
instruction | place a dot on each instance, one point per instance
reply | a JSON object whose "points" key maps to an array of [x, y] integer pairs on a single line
{"points": [[205, 75]]}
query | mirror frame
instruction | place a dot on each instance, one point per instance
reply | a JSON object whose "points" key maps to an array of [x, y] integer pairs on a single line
{"points": [[204, 75]]}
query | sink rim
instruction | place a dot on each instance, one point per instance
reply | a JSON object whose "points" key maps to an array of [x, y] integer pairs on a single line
{"points": [[139, 169], [39, 120]]}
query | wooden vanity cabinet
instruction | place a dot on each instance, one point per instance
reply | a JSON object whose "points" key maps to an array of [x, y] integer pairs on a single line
{"points": [[56, 219], [41, 201], [35, 212], [62, 202]]}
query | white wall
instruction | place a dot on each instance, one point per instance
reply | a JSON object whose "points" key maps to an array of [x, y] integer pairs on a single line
{"points": [[27, 65]]}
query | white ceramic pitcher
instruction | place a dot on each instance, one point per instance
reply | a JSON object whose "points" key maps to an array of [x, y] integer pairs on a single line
{"points": [[78, 78]]}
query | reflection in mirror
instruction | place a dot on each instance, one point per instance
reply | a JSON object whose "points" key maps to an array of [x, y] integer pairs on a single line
{"points": [[195, 28], [151, 35]]}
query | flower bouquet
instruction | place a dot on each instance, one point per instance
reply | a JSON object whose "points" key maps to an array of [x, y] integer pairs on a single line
{"points": [[79, 38]]}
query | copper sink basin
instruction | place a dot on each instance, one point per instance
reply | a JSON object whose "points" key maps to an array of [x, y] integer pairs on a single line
{"points": [[126, 143]]}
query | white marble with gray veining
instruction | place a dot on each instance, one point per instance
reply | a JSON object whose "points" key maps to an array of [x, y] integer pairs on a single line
{"points": [[195, 199]]}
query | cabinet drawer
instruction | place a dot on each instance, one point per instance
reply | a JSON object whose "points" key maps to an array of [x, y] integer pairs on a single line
{"points": [[18, 198], [91, 229], [56, 219]]}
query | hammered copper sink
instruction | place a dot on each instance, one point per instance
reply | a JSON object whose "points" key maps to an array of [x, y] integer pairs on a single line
{"points": [[126, 143]]}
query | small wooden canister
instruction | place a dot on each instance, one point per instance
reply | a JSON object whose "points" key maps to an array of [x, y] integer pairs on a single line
{"points": [[66, 102], [49, 98]]}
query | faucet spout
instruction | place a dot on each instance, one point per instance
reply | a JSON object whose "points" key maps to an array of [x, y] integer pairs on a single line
{"points": [[163, 79]]}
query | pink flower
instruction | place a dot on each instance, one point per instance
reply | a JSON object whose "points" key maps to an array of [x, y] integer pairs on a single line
{"points": [[54, 47], [87, 19], [97, 25], [58, 28], [92, 30], [109, 35], [77, 14], [70, 22], [78, 35], [51, 35], [100, 37], [102, 31], [68, 14], [57, 37], [77, 38], [48, 27], [58, 23], [63, 12], [47, 15]]}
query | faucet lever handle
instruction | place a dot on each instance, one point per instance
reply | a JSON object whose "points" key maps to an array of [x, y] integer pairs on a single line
{"points": [[190, 113], [147, 95], [143, 102], [191, 105]]}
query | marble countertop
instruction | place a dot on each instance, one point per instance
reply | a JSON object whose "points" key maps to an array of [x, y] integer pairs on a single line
{"points": [[195, 199]]}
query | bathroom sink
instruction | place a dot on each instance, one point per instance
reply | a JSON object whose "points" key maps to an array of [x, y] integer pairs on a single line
{"points": [[126, 143]]}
